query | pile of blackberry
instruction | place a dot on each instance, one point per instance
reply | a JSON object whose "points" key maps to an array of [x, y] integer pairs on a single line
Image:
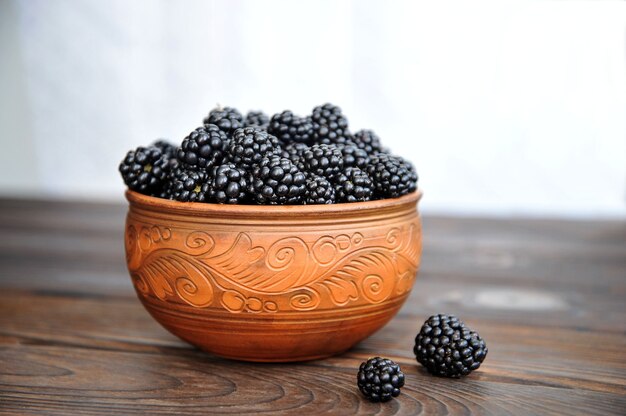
{"points": [[285, 159]]}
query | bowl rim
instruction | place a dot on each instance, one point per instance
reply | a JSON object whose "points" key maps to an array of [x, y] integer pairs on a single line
{"points": [[203, 208]]}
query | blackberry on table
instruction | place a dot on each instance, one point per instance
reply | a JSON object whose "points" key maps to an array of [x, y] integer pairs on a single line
{"points": [[368, 141], [329, 125], [354, 156], [392, 176], [250, 144], [189, 185], [257, 119], [276, 180], [288, 128], [447, 348], [228, 184], [380, 379], [204, 148], [353, 185], [319, 190], [323, 160], [228, 119], [145, 169]]}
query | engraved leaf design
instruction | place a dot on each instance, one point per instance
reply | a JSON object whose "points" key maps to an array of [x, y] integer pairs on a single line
{"points": [[255, 269], [167, 271], [368, 271]]}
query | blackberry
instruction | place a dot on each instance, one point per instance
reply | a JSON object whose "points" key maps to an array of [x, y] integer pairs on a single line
{"points": [[189, 185], [323, 160], [329, 124], [249, 145], [289, 128], [380, 379], [447, 348], [353, 185], [257, 119], [276, 180], [228, 119], [354, 156], [368, 141], [166, 147], [145, 169], [294, 152], [319, 190], [228, 184], [392, 176], [204, 148]]}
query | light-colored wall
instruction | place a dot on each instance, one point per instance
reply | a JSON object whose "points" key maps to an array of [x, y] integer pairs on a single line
{"points": [[504, 107]]}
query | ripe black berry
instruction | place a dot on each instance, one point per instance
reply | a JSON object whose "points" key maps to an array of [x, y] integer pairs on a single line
{"points": [[294, 152], [329, 124], [354, 156], [204, 148], [276, 180], [368, 141], [353, 185], [392, 176], [249, 145], [323, 160], [319, 190], [289, 128], [257, 119], [189, 185], [447, 348], [166, 147], [228, 119], [228, 184], [380, 379], [145, 169]]}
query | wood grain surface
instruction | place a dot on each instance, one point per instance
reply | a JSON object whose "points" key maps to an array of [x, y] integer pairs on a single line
{"points": [[547, 295]]}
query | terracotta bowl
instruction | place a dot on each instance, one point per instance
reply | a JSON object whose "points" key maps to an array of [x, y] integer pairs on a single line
{"points": [[273, 283]]}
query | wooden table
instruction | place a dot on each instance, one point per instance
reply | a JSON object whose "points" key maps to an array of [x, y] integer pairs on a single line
{"points": [[548, 296]]}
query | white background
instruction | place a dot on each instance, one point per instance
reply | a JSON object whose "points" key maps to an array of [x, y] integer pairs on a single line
{"points": [[504, 107]]}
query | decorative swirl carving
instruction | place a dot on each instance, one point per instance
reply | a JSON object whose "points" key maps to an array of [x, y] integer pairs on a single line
{"points": [[373, 287], [233, 301], [324, 250], [305, 300], [195, 291], [290, 273], [199, 242], [284, 252], [392, 236]]}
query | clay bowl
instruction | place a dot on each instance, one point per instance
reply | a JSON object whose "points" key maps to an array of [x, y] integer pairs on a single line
{"points": [[273, 283]]}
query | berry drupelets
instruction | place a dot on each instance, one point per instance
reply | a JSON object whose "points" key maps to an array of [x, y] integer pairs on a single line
{"points": [[257, 119], [329, 124], [145, 169], [289, 128], [353, 185], [204, 148], [227, 119], [228, 184], [323, 159], [319, 190], [277, 181], [447, 348], [250, 145], [189, 185], [392, 176], [380, 379], [229, 152]]}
